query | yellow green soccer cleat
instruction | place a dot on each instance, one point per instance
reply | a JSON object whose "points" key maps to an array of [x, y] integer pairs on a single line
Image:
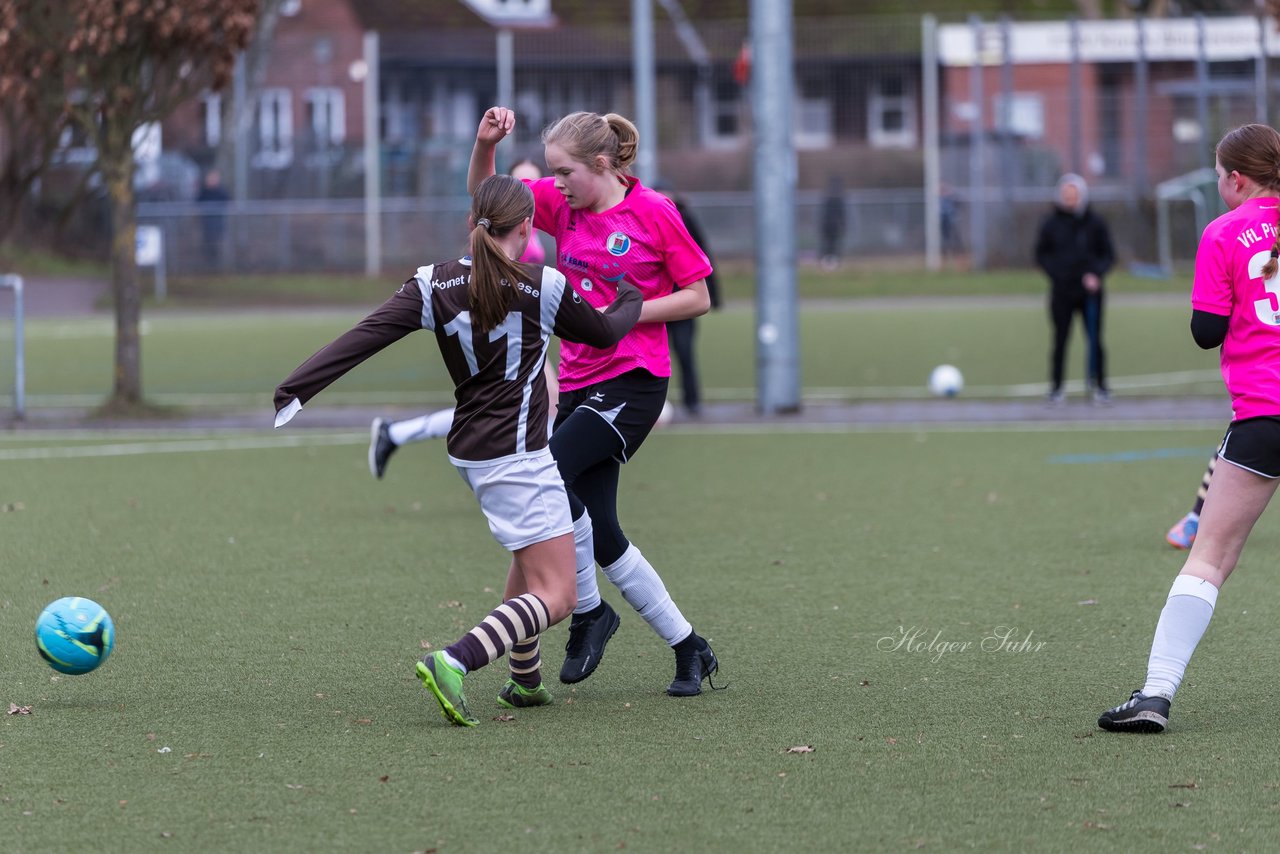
{"points": [[445, 683], [515, 696]]}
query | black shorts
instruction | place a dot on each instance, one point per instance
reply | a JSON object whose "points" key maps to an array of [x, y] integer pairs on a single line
{"points": [[1253, 444], [630, 403]]}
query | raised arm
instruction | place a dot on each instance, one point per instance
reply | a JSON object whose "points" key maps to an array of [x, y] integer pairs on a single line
{"points": [[494, 127], [578, 322]]}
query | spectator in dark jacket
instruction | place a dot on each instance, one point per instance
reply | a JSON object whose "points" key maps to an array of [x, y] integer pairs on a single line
{"points": [[681, 332], [1074, 249]]}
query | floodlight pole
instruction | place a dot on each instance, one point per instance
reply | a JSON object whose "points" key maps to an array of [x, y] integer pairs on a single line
{"points": [[932, 154], [777, 327], [372, 160], [643, 81], [506, 67]]}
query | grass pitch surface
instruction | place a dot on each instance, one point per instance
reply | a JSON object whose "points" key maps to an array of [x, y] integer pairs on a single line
{"points": [[940, 616]]}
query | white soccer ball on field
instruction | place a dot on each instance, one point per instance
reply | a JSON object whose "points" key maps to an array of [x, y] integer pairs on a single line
{"points": [[946, 381]]}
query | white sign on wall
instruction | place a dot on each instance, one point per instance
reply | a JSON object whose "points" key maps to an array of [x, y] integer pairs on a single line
{"points": [[513, 13], [1164, 39], [147, 246]]}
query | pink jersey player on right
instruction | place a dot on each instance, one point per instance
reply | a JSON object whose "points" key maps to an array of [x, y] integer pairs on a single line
{"points": [[1235, 304]]}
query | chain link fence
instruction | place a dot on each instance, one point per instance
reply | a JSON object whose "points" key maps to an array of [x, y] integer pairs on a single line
{"points": [[1126, 104]]}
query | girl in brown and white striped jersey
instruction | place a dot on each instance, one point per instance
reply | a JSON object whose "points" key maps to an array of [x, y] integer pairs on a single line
{"points": [[492, 318]]}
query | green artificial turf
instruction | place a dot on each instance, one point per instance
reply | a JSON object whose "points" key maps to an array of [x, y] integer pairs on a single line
{"points": [[847, 350], [270, 603]]}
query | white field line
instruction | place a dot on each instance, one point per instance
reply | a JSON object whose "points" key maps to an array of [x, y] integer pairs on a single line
{"points": [[438, 399], [183, 446], [266, 441]]}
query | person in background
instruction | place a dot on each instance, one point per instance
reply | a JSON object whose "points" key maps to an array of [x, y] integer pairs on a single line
{"points": [[213, 223], [1074, 250], [1183, 534], [834, 219], [682, 332]]}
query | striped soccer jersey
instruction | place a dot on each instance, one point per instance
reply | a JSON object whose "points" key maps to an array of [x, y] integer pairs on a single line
{"points": [[500, 390]]}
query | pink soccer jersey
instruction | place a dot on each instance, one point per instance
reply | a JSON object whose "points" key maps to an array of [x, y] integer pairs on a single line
{"points": [[1229, 282], [641, 238]]}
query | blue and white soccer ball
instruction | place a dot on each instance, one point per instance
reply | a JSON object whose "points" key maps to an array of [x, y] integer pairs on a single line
{"points": [[74, 635], [946, 381]]}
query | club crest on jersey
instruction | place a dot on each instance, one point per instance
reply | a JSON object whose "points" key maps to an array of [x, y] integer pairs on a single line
{"points": [[585, 284], [618, 244]]}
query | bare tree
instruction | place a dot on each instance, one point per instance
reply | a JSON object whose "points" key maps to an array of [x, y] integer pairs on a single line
{"points": [[236, 114], [115, 66]]}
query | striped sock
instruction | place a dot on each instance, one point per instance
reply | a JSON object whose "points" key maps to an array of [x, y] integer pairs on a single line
{"points": [[512, 622], [525, 660], [1204, 488]]}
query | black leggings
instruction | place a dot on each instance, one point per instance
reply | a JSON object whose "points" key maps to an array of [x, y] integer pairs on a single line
{"points": [[584, 447], [1062, 308]]}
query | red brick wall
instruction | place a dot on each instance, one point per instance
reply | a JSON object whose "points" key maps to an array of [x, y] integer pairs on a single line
{"points": [[314, 48]]}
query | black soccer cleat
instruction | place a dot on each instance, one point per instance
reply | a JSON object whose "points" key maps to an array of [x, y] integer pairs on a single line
{"points": [[587, 637], [1139, 713], [694, 662], [380, 446]]}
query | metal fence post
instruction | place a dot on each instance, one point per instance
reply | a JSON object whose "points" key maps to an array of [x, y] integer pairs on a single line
{"points": [[932, 155], [19, 347]]}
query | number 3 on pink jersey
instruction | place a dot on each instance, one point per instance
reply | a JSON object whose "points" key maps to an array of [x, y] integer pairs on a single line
{"points": [[1268, 309]]}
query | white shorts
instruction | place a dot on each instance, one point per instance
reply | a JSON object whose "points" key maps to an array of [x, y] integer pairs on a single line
{"points": [[523, 499]]}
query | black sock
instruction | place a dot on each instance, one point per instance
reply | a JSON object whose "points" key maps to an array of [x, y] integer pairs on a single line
{"points": [[691, 642], [590, 615]]}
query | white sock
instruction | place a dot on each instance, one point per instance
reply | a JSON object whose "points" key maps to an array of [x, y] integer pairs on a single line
{"points": [[1182, 623], [453, 662], [433, 426], [588, 590], [641, 586]]}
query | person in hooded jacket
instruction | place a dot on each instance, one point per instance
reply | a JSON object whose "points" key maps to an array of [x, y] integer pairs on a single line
{"points": [[1075, 251]]}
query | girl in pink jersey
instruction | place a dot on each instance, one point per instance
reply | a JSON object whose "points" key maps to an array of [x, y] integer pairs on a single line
{"points": [[1235, 304], [609, 228]]}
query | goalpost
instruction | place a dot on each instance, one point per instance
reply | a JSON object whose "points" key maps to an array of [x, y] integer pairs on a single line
{"points": [[14, 283], [1193, 186]]}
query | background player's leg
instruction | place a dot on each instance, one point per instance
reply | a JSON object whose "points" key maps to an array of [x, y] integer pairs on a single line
{"points": [[387, 436], [1183, 533], [1060, 316]]}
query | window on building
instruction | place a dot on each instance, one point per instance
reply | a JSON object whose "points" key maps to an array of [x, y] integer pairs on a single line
{"points": [[814, 108], [1020, 114], [275, 129], [891, 114], [726, 112], [326, 116], [211, 118]]}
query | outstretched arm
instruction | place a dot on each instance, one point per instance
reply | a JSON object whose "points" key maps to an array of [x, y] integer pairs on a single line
{"points": [[390, 322], [494, 127], [577, 321]]}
